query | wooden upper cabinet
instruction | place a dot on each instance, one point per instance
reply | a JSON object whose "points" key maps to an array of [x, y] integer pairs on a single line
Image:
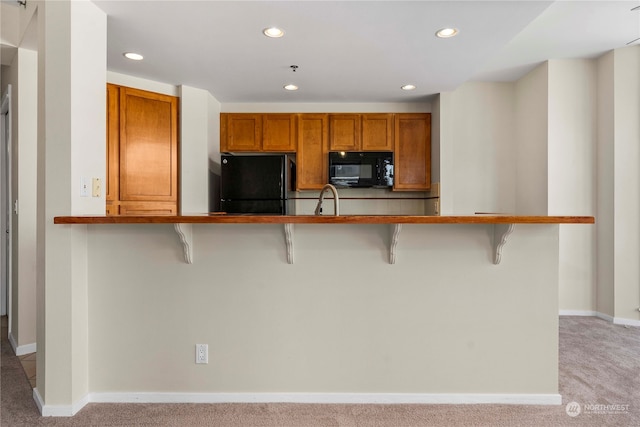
{"points": [[240, 132], [412, 152], [344, 132], [361, 132], [148, 146], [377, 132], [312, 156], [313, 135], [279, 132], [250, 132], [113, 143]]}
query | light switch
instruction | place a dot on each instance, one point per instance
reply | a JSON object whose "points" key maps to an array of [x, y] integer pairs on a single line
{"points": [[84, 189], [96, 187]]}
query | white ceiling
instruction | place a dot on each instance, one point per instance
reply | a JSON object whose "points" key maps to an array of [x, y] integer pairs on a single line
{"points": [[355, 51]]}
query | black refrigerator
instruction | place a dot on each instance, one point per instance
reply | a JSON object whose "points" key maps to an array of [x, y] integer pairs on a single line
{"points": [[255, 184]]}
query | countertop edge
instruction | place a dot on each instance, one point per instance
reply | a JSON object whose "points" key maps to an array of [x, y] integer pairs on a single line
{"points": [[322, 219]]}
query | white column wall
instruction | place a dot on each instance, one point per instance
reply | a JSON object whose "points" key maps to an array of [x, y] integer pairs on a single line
{"points": [[71, 79], [605, 187], [194, 147], [626, 189], [22, 75], [88, 104], [447, 174], [571, 154], [531, 139], [214, 108], [482, 143], [24, 190]]}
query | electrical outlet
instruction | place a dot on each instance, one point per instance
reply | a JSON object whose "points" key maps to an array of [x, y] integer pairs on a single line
{"points": [[202, 353], [96, 187]]}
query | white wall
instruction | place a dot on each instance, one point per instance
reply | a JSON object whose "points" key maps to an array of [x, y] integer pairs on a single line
{"points": [[20, 70], [528, 148], [194, 150], [214, 108], [88, 45], [482, 148], [275, 107], [24, 171], [14, 21], [143, 84], [531, 139], [605, 187], [9, 26], [447, 173], [71, 81], [571, 145], [297, 328], [626, 189]]}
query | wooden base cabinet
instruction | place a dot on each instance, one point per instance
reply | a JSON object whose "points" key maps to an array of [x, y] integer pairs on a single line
{"points": [[412, 152], [142, 152]]}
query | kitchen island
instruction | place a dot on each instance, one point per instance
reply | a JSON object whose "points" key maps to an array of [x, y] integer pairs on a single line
{"points": [[444, 324]]}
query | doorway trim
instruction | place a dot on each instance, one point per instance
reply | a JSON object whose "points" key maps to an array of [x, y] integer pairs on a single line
{"points": [[6, 202]]}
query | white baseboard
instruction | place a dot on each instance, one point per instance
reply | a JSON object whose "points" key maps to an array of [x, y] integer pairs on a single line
{"points": [[38, 399], [604, 317], [26, 349], [578, 313], [58, 410], [21, 350], [14, 344], [614, 320], [326, 398], [626, 322], [335, 398]]}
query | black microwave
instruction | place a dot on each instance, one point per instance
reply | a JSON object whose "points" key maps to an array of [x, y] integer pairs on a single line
{"points": [[361, 169]]}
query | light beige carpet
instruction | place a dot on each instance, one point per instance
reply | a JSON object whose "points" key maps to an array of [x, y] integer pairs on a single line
{"points": [[599, 366]]}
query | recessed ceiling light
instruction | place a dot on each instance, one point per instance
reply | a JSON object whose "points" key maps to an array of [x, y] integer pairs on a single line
{"points": [[134, 56], [444, 33], [273, 32], [408, 87], [290, 87]]}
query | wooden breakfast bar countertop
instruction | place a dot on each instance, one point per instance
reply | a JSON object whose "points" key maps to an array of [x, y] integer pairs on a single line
{"points": [[503, 225], [216, 218]]}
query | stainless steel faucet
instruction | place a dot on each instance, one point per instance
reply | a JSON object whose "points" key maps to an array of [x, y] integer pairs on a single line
{"points": [[336, 200]]}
